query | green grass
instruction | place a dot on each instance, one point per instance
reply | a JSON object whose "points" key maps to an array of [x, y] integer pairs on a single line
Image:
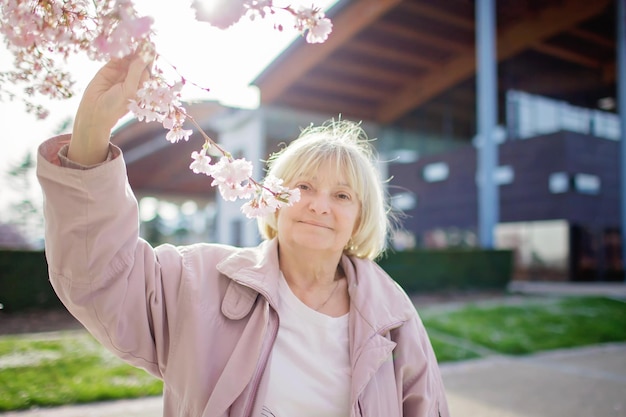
{"points": [[447, 351], [64, 368], [535, 326]]}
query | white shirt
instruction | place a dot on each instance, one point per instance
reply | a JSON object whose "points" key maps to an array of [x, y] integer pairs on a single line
{"points": [[310, 370]]}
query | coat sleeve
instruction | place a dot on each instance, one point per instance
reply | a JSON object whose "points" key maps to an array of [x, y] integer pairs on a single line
{"points": [[108, 278], [417, 371]]}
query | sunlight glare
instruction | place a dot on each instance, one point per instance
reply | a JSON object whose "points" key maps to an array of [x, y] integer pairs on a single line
{"points": [[225, 62]]}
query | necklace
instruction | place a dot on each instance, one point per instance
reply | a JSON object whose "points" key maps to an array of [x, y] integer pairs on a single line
{"points": [[329, 297]]}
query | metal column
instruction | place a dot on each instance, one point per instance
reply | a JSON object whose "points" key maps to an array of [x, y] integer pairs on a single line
{"points": [[486, 114], [621, 105]]}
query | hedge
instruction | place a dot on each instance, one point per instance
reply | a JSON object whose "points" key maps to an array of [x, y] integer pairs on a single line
{"points": [[24, 281], [426, 270]]}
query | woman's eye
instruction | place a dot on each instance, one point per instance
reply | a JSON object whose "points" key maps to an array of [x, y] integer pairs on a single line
{"points": [[344, 196], [303, 187]]}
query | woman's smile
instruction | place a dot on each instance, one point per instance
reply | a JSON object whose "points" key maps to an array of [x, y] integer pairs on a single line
{"points": [[316, 224]]}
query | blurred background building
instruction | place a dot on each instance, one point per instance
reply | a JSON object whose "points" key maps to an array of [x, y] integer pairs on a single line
{"points": [[408, 70]]}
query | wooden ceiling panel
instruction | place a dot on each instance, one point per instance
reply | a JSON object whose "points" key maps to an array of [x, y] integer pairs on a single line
{"points": [[355, 17], [332, 109], [567, 54], [408, 14], [379, 87], [579, 85], [421, 50], [333, 104], [376, 70], [345, 85], [426, 47], [418, 35], [603, 24], [392, 70], [585, 47], [593, 38], [157, 167], [448, 13], [394, 51], [511, 41]]}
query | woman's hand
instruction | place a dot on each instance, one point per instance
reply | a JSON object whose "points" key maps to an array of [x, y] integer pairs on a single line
{"points": [[103, 104]]}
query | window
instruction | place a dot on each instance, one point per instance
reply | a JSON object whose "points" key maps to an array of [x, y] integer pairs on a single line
{"points": [[558, 183], [504, 175], [435, 172], [587, 183], [403, 201]]}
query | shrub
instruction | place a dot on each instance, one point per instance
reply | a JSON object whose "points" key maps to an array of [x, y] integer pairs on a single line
{"points": [[24, 281], [425, 270]]}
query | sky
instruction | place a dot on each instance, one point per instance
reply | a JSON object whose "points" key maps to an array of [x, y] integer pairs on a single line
{"points": [[225, 61]]}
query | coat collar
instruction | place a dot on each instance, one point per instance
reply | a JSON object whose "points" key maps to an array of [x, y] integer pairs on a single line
{"points": [[255, 271], [374, 295]]}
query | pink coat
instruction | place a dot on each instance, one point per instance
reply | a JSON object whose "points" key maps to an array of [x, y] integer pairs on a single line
{"points": [[202, 317]]}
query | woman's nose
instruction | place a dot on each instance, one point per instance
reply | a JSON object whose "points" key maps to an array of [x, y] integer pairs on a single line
{"points": [[319, 203]]}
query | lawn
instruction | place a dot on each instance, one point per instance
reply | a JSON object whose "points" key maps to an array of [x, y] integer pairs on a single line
{"points": [[531, 326], [65, 368], [61, 368]]}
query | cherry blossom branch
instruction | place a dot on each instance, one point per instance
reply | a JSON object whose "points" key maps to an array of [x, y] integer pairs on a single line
{"points": [[234, 180], [208, 142], [42, 34], [305, 19]]}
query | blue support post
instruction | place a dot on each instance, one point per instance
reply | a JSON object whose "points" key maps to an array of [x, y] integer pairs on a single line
{"points": [[486, 114], [621, 104]]}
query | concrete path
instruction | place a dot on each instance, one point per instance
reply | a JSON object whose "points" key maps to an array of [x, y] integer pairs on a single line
{"points": [[543, 288], [585, 382], [143, 407]]}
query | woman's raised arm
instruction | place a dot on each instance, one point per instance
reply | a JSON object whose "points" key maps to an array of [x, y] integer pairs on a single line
{"points": [[104, 102]]}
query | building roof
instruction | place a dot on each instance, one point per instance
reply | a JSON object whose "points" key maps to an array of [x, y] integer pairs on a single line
{"points": [[157, 167], [412, 63]]}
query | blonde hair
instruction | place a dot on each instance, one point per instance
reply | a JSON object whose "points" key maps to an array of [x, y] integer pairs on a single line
{"points": [[344, 144]]}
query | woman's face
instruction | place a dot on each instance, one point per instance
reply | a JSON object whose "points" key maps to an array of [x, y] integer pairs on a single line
{"points": [[325, 217]]}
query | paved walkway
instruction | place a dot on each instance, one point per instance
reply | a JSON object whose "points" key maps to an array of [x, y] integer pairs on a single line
{"points": [[607, 289], [585, 382]]}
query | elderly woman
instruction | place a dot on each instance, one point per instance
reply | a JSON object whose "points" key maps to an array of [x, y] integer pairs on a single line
{"points": [[305, 324]]}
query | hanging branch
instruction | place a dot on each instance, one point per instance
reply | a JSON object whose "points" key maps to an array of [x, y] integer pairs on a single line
{"points": [[43, 34]]}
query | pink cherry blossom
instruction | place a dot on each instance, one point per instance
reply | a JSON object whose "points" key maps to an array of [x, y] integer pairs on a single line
{"points": [[257, 208], [43, 34], [177, 133], [201, 162], [220, 13], [269, 197], [319, 32], [232, 191], [282, 195], [229, 170], [159, 101], [122, 35], [313, 20]]}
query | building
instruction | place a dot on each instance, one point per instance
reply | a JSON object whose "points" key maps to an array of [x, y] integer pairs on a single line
{"points": [[558, 193], [407, 69]]}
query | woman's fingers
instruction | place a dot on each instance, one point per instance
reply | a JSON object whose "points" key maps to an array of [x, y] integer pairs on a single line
{"points": [[138, 73], [104, 102]]}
